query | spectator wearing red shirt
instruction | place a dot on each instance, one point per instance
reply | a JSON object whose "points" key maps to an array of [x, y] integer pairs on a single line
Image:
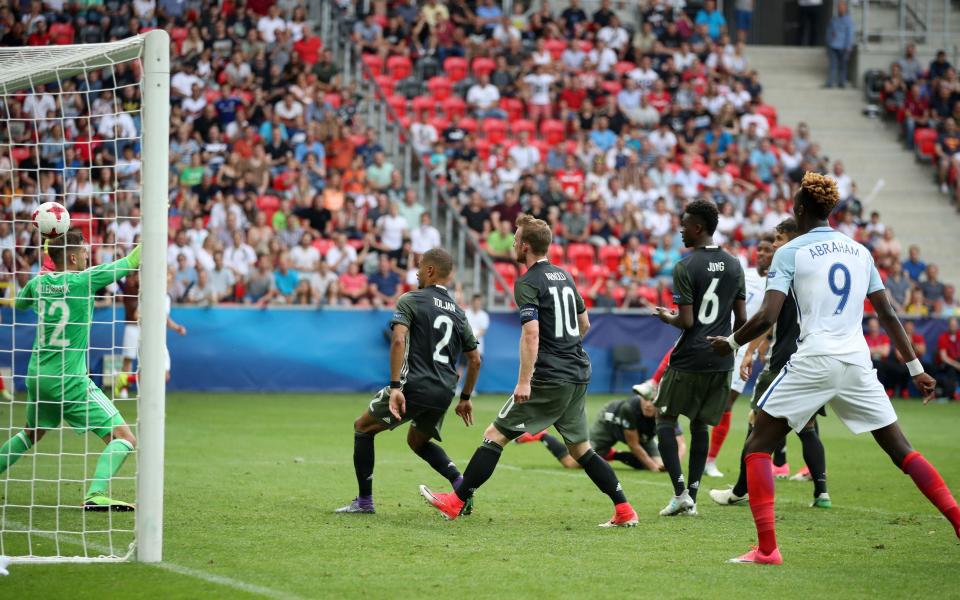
{"points": [[879, 345], [571, 178], [948, 360], [899, 375]]}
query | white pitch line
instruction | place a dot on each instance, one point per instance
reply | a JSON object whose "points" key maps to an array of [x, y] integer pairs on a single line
{"points": [[229, 582]]}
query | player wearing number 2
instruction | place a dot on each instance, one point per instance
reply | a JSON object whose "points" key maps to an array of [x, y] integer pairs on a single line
{"points": [[708, 286], [830, 276], [429, 333], [58, 387], [552, 383]]}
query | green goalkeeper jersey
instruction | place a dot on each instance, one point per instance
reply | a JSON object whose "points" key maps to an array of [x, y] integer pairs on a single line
{"points": [[63, 302]]}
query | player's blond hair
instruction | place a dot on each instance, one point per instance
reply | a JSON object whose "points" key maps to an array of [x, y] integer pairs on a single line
{"points": [[819, 192], [536, 233], [58, 247]]}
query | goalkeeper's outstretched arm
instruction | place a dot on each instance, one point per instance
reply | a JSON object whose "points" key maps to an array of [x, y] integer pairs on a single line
{"points": [[107, 273]]}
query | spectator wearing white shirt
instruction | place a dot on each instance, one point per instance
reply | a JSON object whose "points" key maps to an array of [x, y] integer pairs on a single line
{"points": [[7, 238], [663, 140], [844, 182], [304, 256], [289, 109], [539, 84], [270, 23], [391, 228], [603, 57], [523, 154], [341, 255], [689, 178], [644, 74], [194, 105], [478, 319], [751, 116], [425, 237], [573, 56], [198, 232], [240, 256], [504, 32], [180, 247], [613, 35], [38, 105], [423, 135], [659, 219], [182, 82], [483, 98]]}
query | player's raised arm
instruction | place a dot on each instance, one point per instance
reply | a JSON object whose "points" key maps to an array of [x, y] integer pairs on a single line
{"points": [[107, 273]]}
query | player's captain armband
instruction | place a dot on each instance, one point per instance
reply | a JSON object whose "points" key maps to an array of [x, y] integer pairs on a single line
{"points": [[676, 299], [528, 312]]}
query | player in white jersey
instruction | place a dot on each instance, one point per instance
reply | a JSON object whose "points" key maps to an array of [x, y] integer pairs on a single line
{"points": [[755, 280], [831, 276]]}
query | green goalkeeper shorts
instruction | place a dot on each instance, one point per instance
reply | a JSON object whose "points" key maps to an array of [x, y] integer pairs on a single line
{"points": [[74, 399]]}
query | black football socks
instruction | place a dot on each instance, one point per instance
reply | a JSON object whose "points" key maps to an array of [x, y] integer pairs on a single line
{"points": [[480, 468], [363, 463], [667, 440], [602, 476]]}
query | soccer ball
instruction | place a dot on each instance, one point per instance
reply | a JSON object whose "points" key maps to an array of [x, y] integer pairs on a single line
{"points": [[52, 219]]}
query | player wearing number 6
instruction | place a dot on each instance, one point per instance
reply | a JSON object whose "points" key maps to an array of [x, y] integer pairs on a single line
{"points": [[552, 384], [708, 286], [830, 276], [58, 387], [429, 334]]}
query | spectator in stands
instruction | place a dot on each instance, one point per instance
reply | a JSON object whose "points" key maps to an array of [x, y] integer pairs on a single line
{"points": [[948, 305], [879, 345], [385, 284], [931, 286], [285, 280], [202, 293], [914, 266], [222, 279], [917, 305], [948, 152], [712, 18], [425, 236], [897, 376], [339, 257], [411, 210], [898, 287], [910, 68], [840, 40], [665, 258], [500, 242], [354, 286], [948, 360]]}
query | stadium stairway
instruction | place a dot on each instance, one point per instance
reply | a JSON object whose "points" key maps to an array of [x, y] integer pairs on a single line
{"points": [[908, 199]]}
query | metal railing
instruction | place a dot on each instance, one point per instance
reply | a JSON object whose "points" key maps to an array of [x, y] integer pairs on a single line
{"points": [[474, 267], [917, 21]]}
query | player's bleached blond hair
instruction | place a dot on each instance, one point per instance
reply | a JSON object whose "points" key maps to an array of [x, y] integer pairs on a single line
{"points": [[818, 193], [536, 233]]}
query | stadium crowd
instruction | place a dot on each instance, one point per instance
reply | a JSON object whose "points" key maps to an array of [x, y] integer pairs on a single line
{"points": [[281, 194], [925, 101]]}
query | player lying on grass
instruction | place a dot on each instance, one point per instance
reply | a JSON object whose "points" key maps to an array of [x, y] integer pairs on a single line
{"points": [[58, 387], [429, 333], [831, 275], [631, 421], [785, 334], [552, 383], [709, 292]]}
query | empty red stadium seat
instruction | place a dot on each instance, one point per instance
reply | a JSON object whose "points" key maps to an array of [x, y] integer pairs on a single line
{"points": [[398, 104], [555, 254], [483, 148], [553, 131], [440, 123], [455, 68], [322, 245], [555, 47], [483, 66], [173, 223], [374, 63], [611, 256], [623, 67], [520, 125], [585, 45], [85, 225], [440, 87], [925, 141], [781, 132], [769, 112], [542, 146], [454, 106], [399, 67], [469, 124], [594, 272], [581, 255], [611, 87], [267, 202], [424, 103], [513, 107], [386, 86], [509, 273], [495, 130]]}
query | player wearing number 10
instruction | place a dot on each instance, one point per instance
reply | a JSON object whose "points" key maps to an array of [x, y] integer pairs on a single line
{"points": [[552, 383], [58, 387]]}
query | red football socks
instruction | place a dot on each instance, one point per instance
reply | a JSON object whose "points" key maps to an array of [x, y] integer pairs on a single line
{"points": [[664, 363], [926, 477], [760, 488], [718, 435]]}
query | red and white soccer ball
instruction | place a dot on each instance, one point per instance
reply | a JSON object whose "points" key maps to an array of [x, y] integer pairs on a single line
{"points": [[52, 219]]}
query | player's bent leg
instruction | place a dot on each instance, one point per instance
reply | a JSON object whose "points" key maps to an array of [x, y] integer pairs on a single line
{"points": [[559, 451], [120, 443], [925, 476], [699, 445]]}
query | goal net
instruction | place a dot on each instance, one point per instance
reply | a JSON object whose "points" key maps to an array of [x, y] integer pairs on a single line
{"points": [[85, 126]]}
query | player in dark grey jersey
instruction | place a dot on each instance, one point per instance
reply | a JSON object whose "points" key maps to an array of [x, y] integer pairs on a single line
{"points": [[430, 332], [552, 383], [708, 286], [781, 347]]}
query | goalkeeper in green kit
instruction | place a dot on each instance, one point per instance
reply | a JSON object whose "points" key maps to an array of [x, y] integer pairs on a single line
{"points": [[58, 387]]}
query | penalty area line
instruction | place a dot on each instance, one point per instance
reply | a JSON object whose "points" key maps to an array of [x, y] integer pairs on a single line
{"points": [[202, 575]]}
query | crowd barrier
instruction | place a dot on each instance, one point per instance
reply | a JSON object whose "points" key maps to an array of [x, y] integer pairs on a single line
{"points": [[303, 350]]}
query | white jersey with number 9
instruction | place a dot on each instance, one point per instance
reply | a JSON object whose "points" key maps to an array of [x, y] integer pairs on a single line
{"points": [[831, 276]]}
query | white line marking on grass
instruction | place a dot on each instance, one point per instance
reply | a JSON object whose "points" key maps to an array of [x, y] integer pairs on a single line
{"points": [[229, 582]]}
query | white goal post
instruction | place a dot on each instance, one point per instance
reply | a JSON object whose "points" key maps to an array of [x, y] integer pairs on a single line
{"points": [[22, 71]]}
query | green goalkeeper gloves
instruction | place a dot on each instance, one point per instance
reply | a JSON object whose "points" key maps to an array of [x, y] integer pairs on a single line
{"points": [[134, 257]]}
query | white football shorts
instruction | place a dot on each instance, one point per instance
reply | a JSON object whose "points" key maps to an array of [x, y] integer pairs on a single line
{"points": [[737, 384], [809, 382], [131, 340]]}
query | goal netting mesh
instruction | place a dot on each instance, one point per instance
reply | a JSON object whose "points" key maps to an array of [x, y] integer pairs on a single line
{"points": [[72, 132]]}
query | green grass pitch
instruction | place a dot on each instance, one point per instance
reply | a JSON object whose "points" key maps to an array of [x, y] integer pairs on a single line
{"points": [[251, 482]]}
